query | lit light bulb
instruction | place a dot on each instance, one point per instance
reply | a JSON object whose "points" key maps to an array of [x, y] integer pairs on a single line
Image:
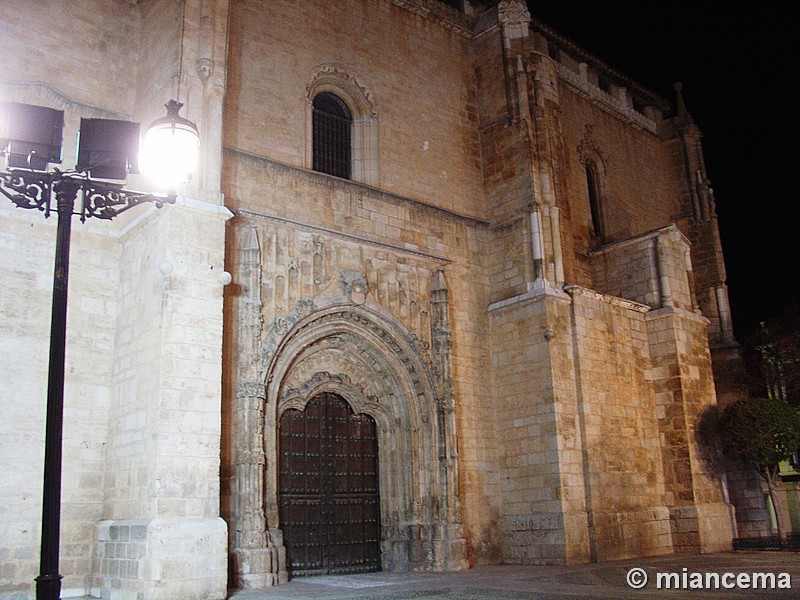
{"points": [[170, 148]]}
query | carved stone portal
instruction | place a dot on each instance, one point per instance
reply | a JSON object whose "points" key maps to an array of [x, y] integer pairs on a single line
{"points": [[360, 353], [370, 361]]}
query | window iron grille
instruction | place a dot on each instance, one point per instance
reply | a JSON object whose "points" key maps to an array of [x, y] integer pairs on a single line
{"points": [[331, 125]]}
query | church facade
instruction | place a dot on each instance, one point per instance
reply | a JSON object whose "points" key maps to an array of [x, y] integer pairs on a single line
{"points": [[476, 315]]}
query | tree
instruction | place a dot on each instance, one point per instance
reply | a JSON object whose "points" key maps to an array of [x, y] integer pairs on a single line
{"points": [[774, 356], [761, 432]]}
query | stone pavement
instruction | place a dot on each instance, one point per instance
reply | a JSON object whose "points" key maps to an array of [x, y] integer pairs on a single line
{"points": [[575, 582]]}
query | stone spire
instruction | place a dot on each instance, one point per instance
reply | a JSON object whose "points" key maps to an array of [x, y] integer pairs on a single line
{"points": [[684, 118]]}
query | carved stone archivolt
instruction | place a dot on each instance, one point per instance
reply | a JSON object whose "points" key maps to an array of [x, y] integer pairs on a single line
{"points": [[343, 81]]}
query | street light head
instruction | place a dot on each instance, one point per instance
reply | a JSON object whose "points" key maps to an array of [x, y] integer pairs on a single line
{"points": [[30, 135], [170, 148]]}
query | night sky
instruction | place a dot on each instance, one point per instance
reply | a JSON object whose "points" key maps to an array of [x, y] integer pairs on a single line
{"points": [[739, 69]]}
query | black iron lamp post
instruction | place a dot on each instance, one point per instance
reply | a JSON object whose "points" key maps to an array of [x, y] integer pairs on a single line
{"points": [[71, 193]]}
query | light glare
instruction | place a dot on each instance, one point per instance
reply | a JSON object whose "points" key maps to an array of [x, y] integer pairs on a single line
{"points": [[170, 148]]}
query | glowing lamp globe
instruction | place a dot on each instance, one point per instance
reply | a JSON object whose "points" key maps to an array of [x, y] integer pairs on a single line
{"points": [[170, 148]]}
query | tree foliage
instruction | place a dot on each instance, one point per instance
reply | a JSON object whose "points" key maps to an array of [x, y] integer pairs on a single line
{"points": [[760, 431]]}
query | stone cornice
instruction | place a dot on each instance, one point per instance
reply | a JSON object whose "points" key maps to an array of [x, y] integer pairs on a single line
{"points": [[605, 100], [532, 295], [668, 230], [673, 311], [577, 290], [445, 16], [584, 55], [24, 91], [181, 202], [358, 187]]}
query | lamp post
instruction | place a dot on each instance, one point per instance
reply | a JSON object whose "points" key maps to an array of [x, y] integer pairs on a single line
{"points": [[72, 193]]}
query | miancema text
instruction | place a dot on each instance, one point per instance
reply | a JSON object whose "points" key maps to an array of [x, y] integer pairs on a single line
{"points": [[687, 580]]}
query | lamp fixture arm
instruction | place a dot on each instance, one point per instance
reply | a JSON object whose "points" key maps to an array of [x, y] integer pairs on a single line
{"points": [[99, 199]]}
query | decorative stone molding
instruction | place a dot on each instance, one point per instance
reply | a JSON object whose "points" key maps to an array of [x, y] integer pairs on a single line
{"points": [[513, 12], [447, 17], [280, 169], [607, 102], [379, 368], [589, 149], [577, 290], [343, 81], [441, 340], [418, 8], [250, 389], [338, 383], [205, 68], [515, 19], [281, 325], [355, 286]]}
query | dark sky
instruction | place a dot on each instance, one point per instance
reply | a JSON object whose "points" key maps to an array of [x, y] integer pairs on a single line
{"points": [[739, 68]]}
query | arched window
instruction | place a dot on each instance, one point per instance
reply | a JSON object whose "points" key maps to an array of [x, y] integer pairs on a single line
{"points": [[332, 124], [335, 92], [595, 206]]}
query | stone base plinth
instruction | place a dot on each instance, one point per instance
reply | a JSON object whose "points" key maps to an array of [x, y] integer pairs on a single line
{"points": [[702, 528], [161, 559], [256, 568], [625, 534]]}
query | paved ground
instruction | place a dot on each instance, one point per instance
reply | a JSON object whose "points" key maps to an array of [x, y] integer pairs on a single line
{"points": [[579, 582]]}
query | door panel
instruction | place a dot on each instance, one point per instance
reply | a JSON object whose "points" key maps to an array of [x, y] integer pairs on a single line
{"points": [[329, 502]]}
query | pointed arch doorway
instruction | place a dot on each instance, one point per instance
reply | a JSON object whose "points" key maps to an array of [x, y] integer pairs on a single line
{"points": [[329, 488]]}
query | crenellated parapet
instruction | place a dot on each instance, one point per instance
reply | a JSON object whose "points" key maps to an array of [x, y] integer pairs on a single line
{"points": [[595, 81]]}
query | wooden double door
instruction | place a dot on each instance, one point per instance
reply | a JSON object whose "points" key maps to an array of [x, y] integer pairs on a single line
{"points": [[329, 493]]}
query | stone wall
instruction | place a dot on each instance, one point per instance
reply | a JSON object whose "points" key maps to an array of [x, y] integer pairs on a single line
{"points": [[28, 260], [576, 489], [162, 456], [637, 183], [313, 242], [544, 515], [618, 428], [427, 144], [136, 340], [600, 400], [702, 517], [156, 454], [35, 36], [28, 242]]}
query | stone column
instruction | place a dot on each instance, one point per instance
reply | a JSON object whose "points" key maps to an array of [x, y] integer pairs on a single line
{"points": [[163, 537], [257, 562], [449, 535]]}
